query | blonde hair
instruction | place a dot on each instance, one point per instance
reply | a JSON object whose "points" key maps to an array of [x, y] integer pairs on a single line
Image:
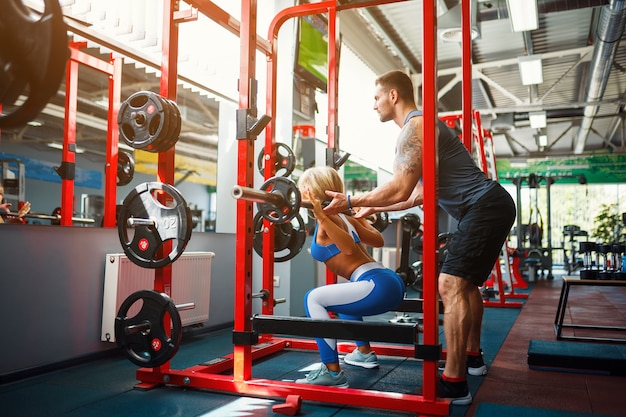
{"points": [[319, 179]]}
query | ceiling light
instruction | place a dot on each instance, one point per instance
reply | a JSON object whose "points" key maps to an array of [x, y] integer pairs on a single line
{"points": [[530, 69], [449, 25], [523, 15], [542, 140], [537, 119]]}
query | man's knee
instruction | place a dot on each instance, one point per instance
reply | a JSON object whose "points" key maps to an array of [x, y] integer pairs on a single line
{"points": [[452, 285]]}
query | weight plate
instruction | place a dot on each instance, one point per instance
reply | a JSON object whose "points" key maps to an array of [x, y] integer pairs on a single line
{"points": [[380, 221], [125, 168], [142, 120], [284, 162], [169, 138], [287, 189], [143, 336], [289, 237], [155, 224], [32, 63]]}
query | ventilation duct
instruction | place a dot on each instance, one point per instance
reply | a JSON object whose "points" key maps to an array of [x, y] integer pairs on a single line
{"points": [[608, 35]]}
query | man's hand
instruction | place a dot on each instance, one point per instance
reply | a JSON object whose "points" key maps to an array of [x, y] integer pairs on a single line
{"points": [[364, 212], [338, 204]]}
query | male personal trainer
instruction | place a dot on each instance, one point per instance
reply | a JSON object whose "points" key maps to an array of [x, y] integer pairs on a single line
{"points": [[484, 210]]}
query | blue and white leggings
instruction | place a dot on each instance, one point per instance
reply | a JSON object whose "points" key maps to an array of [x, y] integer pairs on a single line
{"points": [[373, 289]]}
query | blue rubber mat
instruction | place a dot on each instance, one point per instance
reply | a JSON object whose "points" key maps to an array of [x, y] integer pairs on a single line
{"points": [[577, 357], [490, 410]]}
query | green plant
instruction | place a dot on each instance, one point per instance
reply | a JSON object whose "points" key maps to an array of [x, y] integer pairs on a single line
{"points": [[608, 224]]}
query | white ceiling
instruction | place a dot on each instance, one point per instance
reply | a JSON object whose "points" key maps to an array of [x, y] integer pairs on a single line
{"points": [[575, 84]]}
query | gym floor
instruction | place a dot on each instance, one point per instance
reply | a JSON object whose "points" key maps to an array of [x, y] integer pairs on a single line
{"points": [[105, 387]]}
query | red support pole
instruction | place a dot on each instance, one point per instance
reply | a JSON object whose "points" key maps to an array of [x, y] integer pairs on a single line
{"points": [[113, 69], [429, 177], [333, 97], [466, 70], [169, 78], [68, 159], [242, 364], [110, 168]]}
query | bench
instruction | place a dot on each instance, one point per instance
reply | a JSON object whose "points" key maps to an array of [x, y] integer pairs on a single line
{"points": [[568, 282]]}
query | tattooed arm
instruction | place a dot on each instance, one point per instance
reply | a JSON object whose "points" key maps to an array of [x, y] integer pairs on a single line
{"points": [[407, 170]]}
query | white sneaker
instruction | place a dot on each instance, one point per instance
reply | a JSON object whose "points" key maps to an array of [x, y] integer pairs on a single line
{"points": [[356, 358]]}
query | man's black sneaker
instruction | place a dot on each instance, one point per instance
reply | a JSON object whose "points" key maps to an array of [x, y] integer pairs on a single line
{"points": [[475, 365], [458, 392]]}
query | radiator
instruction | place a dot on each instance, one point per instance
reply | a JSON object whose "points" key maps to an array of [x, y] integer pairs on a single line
{"points": [[191, 283]]}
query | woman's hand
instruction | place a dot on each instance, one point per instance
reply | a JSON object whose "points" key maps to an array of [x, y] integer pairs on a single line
{"points": [[317, 206], [24, 209]]}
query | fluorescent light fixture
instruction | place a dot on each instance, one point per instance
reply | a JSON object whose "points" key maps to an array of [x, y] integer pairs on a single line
{"points": [[523, 15], [537, 119], [530, 69], [542, 140]]}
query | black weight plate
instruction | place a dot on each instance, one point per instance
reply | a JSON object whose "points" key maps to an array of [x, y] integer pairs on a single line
{"points": [[33, 54], [142, 336], [284, 162], [289, 238], [168, 139], [287, 189], [172, 222], [142, 119], [125, 168], [178, 122], [410, 222], [380, 221], [297, 237]]}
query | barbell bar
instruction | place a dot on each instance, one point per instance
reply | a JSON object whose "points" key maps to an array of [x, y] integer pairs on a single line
{"points": [[265, 295], [134, 222], [146, 324], [258, 196], [47, 217], [274, 199]]}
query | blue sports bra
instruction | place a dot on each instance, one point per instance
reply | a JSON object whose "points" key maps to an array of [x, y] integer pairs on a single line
{"points": [[324, 253]]}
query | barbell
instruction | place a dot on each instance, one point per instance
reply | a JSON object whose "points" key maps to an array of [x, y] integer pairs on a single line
{"points": [[265, 296], [52, 217], [278, 200]]}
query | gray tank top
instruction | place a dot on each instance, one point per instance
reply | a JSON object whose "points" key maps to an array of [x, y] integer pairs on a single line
{"points": [[461, 183]]}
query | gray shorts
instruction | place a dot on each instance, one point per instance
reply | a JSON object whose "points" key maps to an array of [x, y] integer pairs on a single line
{"points": [[476, 244]]}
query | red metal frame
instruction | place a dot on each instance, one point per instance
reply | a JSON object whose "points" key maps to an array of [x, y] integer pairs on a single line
{"points": [[478, 138], [113, 69], [240, 362]]}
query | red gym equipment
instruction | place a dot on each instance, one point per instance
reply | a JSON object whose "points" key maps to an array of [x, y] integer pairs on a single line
{"points": [[233, 373]]}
